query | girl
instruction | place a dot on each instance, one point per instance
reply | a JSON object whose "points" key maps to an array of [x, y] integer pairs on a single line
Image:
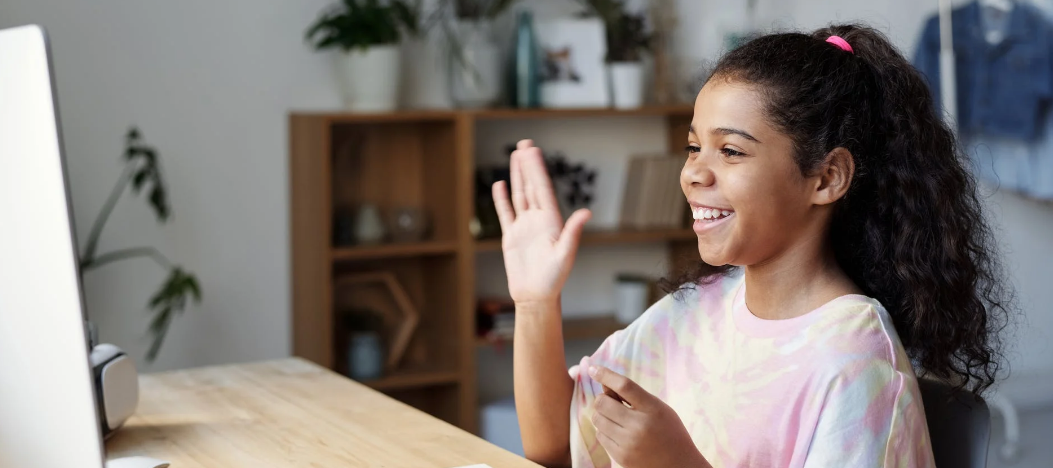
{"points": [[842, 245]]}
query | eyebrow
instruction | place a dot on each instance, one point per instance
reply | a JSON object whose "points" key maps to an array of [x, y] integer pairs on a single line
{"points": [[729, 131]]}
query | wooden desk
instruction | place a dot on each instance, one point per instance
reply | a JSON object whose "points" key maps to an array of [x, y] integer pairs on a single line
{"points": [[289, 413]]}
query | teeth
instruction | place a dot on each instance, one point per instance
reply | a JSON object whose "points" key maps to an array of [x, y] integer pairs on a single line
{"points": [[709, 213]]}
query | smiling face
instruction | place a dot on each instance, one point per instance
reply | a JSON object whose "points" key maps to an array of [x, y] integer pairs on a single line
{"points": [[741, 179]]}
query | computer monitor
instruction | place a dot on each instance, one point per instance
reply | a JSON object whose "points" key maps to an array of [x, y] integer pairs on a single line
{"points": [[48, 417]]}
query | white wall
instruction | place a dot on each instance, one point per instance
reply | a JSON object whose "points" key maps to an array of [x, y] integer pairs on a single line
{"points": [[211, 83]]}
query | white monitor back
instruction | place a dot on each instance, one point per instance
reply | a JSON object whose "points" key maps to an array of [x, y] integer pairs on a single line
{"points": [[47, 411]]}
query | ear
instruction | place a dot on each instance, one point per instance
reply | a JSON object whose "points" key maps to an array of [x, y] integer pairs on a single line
{"points": [[834, 176]]}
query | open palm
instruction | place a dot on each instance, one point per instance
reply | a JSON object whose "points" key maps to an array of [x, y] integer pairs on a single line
{"points": [[538, 249]]}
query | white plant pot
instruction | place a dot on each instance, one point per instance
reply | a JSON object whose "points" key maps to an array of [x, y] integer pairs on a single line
{"points": [[476, 82], [369, 79], [627, 86]]}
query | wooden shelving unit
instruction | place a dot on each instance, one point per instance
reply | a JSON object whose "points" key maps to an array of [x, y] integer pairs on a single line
{"points": [[414, 379], [349, 254], [422, 159]]}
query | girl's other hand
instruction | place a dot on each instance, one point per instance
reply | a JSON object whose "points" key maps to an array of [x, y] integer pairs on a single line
{"points": [[538, 249], [637, 429]]}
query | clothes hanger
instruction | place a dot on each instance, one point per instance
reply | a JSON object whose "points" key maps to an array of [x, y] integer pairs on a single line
{"points": [[1005, 6]]}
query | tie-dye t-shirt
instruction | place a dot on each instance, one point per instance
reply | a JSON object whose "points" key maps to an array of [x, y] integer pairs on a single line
{"points": [[830, 388]]}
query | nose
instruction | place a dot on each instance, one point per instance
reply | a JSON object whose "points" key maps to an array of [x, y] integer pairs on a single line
{"points": [[696, 172]]}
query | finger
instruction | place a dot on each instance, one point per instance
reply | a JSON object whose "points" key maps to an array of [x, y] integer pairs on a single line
{"points": [[570, 238], [519, 200], [608, 427], [529, 174], [524, 143], [612, 408], [627, 389], [539, 185], [608, 442], [505, 214]]}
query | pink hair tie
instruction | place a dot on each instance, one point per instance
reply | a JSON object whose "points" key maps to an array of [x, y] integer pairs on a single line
{"points": [[840, 43]]}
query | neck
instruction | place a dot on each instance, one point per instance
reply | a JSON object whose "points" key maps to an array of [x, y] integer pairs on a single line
{"points": [[796, 281]]}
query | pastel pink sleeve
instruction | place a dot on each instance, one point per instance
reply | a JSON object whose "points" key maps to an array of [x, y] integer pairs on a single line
{"points": [[585, 450], [871, 417]]}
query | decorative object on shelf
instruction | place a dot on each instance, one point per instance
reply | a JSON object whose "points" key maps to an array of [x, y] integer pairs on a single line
{"points": [[631, 294], [495, 319], [572, 71], [343, 229], [381, 292], [573, 183], [367, 33], [475, 61], [485, 211], [477, 82], [525, 89], [365, 356], [652, 198], [365, 353], [142, 170], [369, 229], [627, 41], [408, 224]]}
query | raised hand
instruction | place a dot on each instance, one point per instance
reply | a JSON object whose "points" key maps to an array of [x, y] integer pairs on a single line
{"points": [[538, 249]]}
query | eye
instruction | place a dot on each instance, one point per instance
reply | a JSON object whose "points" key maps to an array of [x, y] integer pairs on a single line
{"points": [[731, 153], [692, 149]]}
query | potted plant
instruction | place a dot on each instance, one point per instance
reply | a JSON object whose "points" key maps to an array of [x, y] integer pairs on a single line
{"points": [[367, 34], [475, 61], [142, 172], [627, 41]]}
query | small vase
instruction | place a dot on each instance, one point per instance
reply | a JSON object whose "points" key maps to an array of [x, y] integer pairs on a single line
{"points": [[476, 77], [365, 356], [369, 78], [526, 92], [369, 229], [626, 84]]}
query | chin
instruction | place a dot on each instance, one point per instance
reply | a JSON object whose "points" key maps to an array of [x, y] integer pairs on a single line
{"points": [[712, 255]]}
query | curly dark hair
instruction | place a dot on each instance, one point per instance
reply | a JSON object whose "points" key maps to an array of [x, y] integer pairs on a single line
{"points": [[910, 231]]}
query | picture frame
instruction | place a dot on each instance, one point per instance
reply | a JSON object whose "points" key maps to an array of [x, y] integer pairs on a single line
{"points": [[572, 72]]}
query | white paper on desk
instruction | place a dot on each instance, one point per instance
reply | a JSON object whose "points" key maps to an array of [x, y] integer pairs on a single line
{"points": [[475, 466]]}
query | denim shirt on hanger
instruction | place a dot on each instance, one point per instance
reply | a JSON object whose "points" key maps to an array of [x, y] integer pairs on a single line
{"points": [[1004, 93], [1003, 89]]}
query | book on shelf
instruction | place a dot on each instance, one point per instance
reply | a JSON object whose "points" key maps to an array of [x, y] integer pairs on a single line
{"points": [[652, 198]]}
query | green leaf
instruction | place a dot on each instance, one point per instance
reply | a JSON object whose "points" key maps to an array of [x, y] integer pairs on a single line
{"points": [[170, 299]]}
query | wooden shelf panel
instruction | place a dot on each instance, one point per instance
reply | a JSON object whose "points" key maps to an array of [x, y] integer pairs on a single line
{"points": [[395, 250], [403, 380], [344, 117], [338, 117], [509, 114], [577, 329], [610, 237]]}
